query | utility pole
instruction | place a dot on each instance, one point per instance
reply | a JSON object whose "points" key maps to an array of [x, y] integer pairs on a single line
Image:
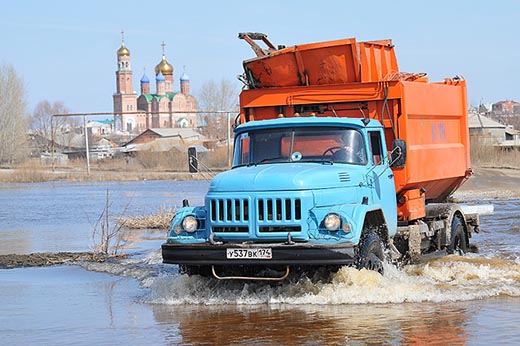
{"points": [[86, 143], [228, 139]]}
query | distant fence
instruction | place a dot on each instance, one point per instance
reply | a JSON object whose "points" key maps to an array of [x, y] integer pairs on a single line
{"points": [[228, 114]]}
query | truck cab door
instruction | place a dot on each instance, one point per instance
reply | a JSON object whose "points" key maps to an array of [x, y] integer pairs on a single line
{"points": [[381, 178]]}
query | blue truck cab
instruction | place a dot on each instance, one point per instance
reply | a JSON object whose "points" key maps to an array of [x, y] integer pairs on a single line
{"points": [[302, 191]]}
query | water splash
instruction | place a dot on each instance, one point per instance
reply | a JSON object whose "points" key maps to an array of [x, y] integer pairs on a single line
{"points": [[452, 278]]}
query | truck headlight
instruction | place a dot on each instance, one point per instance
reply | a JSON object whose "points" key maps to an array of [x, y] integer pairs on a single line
{"points": [[332, 222], [190, 224]]}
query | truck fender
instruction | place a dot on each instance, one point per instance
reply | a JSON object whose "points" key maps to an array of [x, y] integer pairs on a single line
{"points": [[372, 218], [198, 211], [447, 212], [374, 221]]}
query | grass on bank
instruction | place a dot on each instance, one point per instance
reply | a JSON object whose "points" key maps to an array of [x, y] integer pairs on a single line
{"points": [[158, 220], [487, 156], [111, 233]]}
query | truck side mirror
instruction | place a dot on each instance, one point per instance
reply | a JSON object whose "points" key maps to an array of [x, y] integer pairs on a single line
{"points": [[193, 164], [398, 154]]}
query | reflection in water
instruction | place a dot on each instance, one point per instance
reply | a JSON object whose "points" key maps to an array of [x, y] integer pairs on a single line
{"points": [[404, 324], [437, 306]]}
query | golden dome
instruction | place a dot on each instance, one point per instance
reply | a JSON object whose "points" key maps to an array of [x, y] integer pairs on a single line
{"points": [[164, 67], [123, 50]]}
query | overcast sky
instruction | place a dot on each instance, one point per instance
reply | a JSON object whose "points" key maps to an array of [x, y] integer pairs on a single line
{"points": [[66, 50]]}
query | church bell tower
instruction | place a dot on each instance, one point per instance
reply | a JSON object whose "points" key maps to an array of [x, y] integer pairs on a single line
{"points": [[125, 99]]}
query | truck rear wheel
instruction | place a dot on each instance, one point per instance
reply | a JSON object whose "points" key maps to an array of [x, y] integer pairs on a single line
{"points": [[370, 253], [458, 244]]}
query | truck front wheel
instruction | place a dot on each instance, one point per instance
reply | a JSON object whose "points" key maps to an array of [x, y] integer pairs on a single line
{"points": [[458, 242], [370, 253]]}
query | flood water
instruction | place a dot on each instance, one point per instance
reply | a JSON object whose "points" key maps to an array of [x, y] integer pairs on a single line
{"points": [[471, 300]]}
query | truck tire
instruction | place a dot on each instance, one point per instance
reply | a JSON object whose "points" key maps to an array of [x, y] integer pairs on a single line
{"points": [[370, 253], [458, 244]]}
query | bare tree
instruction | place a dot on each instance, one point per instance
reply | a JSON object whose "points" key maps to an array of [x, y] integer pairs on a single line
{"points": [[13, 118], [218, 96], [221, 96], [42, 117], [515, 121], [107, 239]]}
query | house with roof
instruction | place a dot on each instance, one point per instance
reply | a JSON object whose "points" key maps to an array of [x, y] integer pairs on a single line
{"points": [[166, 139], [491, 132], [100, 127], [505, 107], [512, 138]]}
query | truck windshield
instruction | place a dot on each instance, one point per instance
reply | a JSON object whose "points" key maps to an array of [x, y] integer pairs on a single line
{"points": [[325, 144]]}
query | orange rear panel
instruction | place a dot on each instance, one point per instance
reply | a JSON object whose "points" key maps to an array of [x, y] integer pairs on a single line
{"points": [[435, 127]]}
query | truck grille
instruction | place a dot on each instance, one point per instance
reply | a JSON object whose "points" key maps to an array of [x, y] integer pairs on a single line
{"points": [[278, 209], [236, 215], [229, 210], [231, 229]]}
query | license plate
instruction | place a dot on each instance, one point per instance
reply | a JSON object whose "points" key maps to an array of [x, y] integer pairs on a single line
{"points": [[263, 253]]}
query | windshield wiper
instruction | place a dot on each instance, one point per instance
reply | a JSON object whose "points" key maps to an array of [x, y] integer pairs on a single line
{"points": [[270, 160]]}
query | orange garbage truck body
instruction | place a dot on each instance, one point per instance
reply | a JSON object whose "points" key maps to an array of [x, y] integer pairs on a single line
{"points": [[345, 78], [339, 159]]}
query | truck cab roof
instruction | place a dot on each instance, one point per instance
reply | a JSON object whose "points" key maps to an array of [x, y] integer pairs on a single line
{"points": [[307, 121]]}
